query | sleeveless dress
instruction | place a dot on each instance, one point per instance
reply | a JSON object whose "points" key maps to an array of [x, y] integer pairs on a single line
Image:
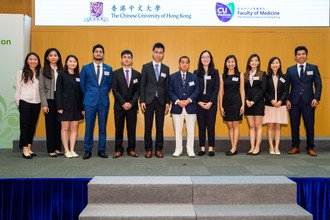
{"points": [[232, 101]]}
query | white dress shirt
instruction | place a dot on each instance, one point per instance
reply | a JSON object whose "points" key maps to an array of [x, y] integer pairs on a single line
{"points": [[101, 71]]}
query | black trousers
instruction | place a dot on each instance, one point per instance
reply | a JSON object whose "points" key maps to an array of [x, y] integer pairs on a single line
{"points": [[130, 116], [206, 121], [28, 118], [155, 107], [308, 114], [53, 128]]}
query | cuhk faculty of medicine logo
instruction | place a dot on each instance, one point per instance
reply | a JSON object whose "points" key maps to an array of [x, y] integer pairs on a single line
{"points": [[225, 12], [96, 12]]}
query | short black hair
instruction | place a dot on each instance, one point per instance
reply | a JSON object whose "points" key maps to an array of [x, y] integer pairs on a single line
{"points": [[300, 48], [158, 45], [98, 46], [183, 58], [126, 52]]}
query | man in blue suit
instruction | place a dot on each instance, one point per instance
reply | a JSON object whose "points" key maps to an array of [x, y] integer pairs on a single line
{"points": [[183, 92], [305, 88], [95, 83]]}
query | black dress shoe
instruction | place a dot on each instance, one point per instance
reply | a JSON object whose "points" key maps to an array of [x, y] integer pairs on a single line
{"points": [[33, 154], [211, 153], [102, 154], [201, 153], [229, 153], [87, 155], [27, 157]]}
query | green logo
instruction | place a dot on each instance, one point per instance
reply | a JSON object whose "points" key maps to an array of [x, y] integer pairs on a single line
{"points": [[5, 42]]}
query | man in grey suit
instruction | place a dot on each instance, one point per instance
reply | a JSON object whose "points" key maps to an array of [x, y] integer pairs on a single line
{"points": [[154, 99]]}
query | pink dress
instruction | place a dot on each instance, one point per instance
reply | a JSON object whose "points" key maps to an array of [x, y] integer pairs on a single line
{"points": [[273, 114]]}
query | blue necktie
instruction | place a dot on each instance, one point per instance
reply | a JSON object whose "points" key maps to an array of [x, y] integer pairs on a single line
{"points": [[156, 71], [184, 80]]}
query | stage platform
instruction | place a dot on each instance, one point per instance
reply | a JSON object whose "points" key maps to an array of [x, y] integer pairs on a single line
{"points": [[13, 165]]}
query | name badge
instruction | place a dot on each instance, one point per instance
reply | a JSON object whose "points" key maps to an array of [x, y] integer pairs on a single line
{"points": [[191, 83], [208, 77], [106, 73], [77, 79], [235, 79], [256, 78], [309, 73], [163, 75], [135, 81], [282, 80]]}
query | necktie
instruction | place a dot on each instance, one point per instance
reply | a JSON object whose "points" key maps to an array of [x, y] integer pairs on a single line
{"points": [[301, 71], [157, 71], [98, 74], [127, 77], [184, 80]]}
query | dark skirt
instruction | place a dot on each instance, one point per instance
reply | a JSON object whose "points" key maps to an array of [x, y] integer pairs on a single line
{"points": [[73, 114], [232, 112], [258, 109]]}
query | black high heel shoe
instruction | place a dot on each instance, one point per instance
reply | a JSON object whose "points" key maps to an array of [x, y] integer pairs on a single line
{"points": [[201, 153], [33, 154], [229, 153], [254, 154], [26, 157]]}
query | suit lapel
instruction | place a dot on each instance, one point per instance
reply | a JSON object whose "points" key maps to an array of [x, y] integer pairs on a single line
{"points": [[103, 70], [93, 73]]}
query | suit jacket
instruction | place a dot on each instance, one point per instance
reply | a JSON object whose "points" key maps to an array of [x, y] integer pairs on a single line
{"points": [[212, 87], [122, 92], [46, 88], [95, 94], [256, 92], [303, 86], [68, 92], [149, 85], [281, 89], [177, 92]]}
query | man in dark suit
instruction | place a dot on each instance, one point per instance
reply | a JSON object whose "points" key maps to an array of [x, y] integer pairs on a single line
{"points": [[95, 83], [303, 98], [154, 99], [126, 89], [183, 92]]}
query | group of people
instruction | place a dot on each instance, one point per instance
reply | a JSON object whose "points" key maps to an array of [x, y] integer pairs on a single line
{"points": [[67, 95]]}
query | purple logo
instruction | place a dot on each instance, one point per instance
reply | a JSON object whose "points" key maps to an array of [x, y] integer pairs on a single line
{"points": [[225, 12], [96, 12], [96, 9]]}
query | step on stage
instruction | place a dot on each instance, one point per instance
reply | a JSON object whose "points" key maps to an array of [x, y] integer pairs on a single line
{"points": [[193, 197]]}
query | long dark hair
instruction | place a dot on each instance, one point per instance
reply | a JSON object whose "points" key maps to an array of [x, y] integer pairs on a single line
{"points": [[269, 69], [259, 73], [225, 68], [201, 70], [76, 70], [47, 68], [27, 73]]}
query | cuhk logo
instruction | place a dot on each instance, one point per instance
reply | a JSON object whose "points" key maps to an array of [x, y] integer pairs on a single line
{"points": [[225, 12], [96, 9], [96, 12]]}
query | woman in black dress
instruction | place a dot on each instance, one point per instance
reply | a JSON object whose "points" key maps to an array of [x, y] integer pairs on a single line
{"points": [[69, 104], [231, 100], [208, 78], [255, 87]]}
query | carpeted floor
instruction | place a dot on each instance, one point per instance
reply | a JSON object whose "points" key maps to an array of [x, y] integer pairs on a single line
{"points": [[301, 165]]}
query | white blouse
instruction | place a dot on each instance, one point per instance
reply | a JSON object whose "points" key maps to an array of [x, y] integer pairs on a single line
{"points": [[29, 91]]}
